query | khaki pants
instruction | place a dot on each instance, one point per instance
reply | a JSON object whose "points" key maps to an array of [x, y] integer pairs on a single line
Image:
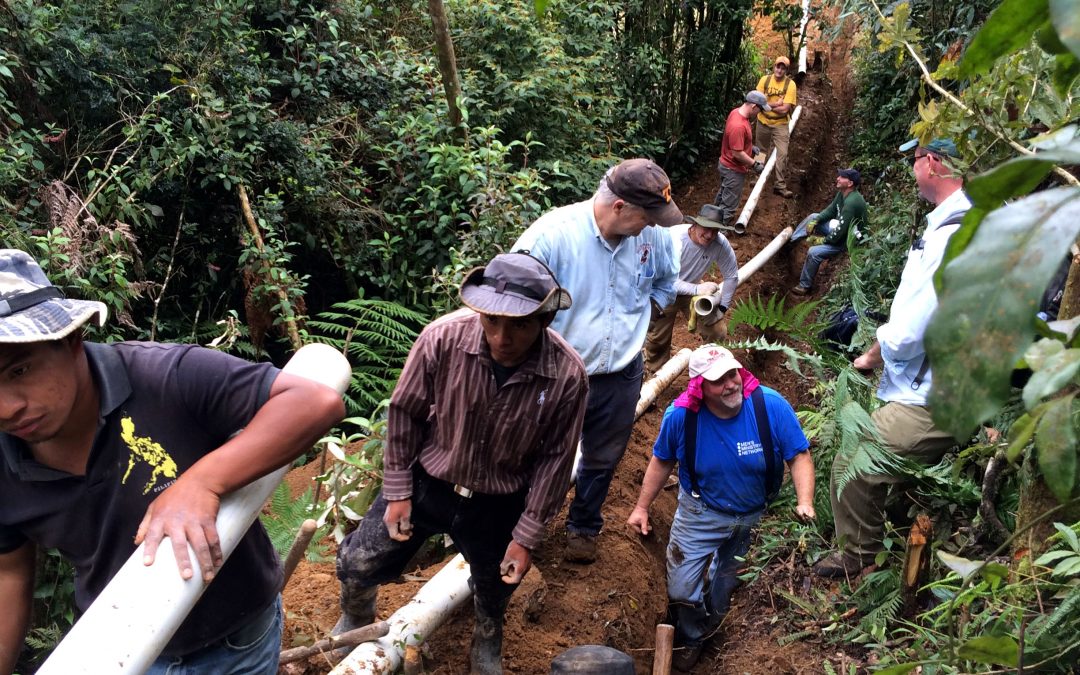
{"points": [[661, 325], [859, 513], [769, 136]]}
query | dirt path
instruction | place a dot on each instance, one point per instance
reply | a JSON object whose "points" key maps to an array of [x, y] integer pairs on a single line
{"points": [[619, 599]]}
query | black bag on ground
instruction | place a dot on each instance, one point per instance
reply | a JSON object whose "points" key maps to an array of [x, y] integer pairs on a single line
{"points": [[840, 329]]}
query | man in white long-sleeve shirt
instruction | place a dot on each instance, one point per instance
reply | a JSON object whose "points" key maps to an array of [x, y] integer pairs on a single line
{"points": [[697, 247], [904, 422]]}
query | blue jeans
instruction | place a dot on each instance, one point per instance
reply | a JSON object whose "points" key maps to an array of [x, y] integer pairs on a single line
{"points": [[609, 419], [252, 649], [814, 257], [800, 230], [699, 593]]}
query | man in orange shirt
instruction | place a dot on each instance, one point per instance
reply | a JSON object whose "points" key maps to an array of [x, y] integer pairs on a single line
{"points": [[772, 128]]}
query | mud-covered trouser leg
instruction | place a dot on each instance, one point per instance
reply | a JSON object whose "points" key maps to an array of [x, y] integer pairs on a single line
{"points": [[859, 511], [609, 419], [658, 339], [697, 604]]}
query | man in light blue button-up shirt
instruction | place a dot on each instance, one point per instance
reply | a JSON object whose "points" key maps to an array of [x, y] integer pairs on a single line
{"points": [[613, 256]]}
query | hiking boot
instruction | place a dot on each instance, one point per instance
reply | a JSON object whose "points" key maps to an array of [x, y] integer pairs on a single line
{"points": [[357, 611], [485, 655], [839, 564], [686, 657], [580, 548], [800, 290], [783, 192]]}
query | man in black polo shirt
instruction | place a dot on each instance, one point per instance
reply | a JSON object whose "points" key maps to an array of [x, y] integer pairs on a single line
{"points": [[103, 447]]}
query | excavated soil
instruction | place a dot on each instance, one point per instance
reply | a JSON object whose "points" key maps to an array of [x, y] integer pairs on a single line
{"points": [[619, 599]]}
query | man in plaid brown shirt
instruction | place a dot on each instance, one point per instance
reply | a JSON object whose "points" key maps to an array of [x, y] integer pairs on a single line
{"points": [[481, 435]]}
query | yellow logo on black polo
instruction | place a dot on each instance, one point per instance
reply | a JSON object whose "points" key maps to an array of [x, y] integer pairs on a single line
{"points": [[145, 451]]}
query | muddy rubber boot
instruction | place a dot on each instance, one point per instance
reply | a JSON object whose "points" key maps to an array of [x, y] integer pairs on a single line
{"points": [[357, 608], [485, 657]]}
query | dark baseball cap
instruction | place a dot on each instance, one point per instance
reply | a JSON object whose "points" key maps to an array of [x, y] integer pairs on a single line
{"points": [[938, 146], [643, 183], [852, 175]]}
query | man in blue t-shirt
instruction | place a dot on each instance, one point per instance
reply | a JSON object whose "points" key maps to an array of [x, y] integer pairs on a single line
{"points": [[727, 492]]}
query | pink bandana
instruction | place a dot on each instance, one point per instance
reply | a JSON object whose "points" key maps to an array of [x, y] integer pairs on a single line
{"points": [[691, 398]]}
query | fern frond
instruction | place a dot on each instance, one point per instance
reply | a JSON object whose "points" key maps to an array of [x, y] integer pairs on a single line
{"points": [[285, 517], [862, 452], [376, 336], [795, 322], [795, 357]]}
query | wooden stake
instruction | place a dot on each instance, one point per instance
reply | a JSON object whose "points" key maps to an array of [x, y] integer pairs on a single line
{"points": [[665, 639], [299, 545], [916, 557], [413, 664], [347, 639]]}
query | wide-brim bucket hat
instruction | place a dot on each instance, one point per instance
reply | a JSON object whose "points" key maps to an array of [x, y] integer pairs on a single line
{"points": [[514, 284], [32, 309]]}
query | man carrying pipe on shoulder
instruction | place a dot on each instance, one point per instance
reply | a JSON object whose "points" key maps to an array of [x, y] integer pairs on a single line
{"points": [[697, 247], [104, 447], [480, 442], [730, 437]]}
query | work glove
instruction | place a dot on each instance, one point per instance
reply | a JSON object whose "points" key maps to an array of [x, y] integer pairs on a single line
{"points": [[758, 167], [707, 288], [756, 151], [810, 226]]}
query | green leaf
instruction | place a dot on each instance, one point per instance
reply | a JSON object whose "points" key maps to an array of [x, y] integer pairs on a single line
{"points": [[540, 6], [999, 650], [994, 572], [1047, 558], [962, 566], [990, 294], [1008, 28], [1065, 15], [1020, 434], [1069, 534], [1055, 442], [1054, 374], [1014, 178], [1066, 70], [898, 669]]}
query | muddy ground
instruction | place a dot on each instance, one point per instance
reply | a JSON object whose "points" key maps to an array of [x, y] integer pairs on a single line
{"points": [[619, 599]]}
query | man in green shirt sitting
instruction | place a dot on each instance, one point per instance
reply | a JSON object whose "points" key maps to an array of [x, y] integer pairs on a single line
{"points": [[846, 214]]}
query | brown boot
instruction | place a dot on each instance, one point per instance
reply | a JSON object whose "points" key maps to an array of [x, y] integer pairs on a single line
{"points": [[784, 192], [580, 548], [839, 564]]}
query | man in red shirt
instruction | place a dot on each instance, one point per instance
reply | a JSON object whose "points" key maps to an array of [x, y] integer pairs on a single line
{"points": [[737, 153]]}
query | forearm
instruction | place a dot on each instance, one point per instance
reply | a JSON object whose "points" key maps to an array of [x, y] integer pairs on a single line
{"points": [[685, 288], [743, 158], [16, 588], [656, 476], [295, 416], [802, 476], [872, 357]]}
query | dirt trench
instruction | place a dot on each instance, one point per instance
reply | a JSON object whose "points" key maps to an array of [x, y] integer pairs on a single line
{"points": [[619, 599]]}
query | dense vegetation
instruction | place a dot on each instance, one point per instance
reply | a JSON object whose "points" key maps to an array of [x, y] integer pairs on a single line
{"points": [[134, 133]]}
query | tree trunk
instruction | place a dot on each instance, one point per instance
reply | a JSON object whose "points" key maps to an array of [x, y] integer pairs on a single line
{"points": [[444, 49]]}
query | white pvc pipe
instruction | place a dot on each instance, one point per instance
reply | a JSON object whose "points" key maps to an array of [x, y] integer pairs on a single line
{"points": [[652, 389], [135, 616], [755, 194], [705, 304], [413, 623], [802, 33]]}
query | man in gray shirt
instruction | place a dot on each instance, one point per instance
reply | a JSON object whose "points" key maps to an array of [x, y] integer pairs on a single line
{"points": [[697, 246]]}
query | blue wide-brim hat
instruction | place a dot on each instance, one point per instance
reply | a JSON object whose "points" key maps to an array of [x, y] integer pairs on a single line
{"points": [[32, 309]]}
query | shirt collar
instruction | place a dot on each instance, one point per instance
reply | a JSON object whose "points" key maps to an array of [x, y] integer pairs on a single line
{"points": [[954, 203], [110, 378]]}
